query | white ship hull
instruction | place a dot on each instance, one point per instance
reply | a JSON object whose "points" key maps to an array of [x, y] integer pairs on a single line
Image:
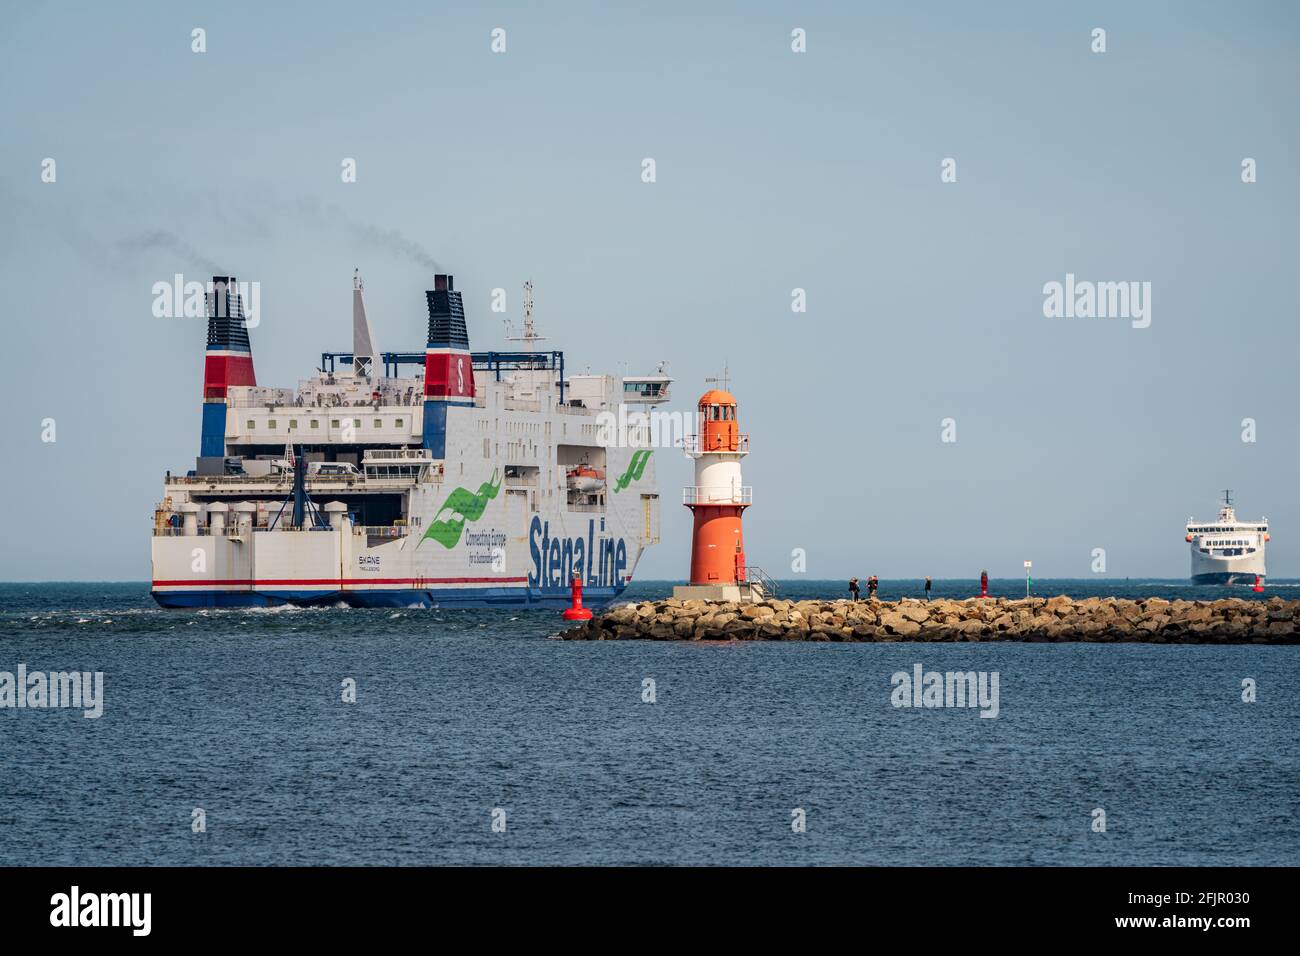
{"points": [[1233, 570], [476, 541], [336, 566]]}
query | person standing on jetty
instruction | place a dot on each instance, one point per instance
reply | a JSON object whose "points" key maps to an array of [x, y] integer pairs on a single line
{"points": [[853, 588], [872, 583], [927, 587]]}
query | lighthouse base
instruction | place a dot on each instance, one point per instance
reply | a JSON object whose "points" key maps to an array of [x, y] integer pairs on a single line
{"points": [[746, 591]]}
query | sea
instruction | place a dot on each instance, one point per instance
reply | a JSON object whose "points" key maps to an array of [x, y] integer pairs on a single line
{"points": [[331, 736]]}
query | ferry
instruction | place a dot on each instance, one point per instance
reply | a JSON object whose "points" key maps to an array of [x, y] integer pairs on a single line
{"points": [[1227, 551], [442, 478]]}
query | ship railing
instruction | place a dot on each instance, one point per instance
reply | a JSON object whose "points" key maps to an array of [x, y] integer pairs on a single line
{"points": [[521, 405], [283, 478], [167, 531], [270, 398], [313, 481], [697, 495], [382, 531], [399, 454], [567, 409]]}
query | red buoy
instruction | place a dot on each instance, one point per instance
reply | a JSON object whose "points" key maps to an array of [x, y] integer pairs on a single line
{"points": [[1259, 585], [577, 612], [984, 584]]}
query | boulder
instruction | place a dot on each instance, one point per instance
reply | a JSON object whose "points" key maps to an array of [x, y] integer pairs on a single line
{"points": [[915, 612]]}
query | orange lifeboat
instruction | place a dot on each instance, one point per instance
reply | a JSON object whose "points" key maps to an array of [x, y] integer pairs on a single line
{"points": [[585, 478]]}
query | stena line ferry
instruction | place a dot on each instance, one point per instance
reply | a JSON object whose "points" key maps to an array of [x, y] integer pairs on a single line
{"points": [[391, 479]]}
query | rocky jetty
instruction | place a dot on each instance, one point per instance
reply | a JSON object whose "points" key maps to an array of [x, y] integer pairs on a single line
{"points": [[1230, 621]]}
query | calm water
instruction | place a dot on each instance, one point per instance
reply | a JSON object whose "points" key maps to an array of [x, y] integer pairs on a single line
{"points": [[239, 712]]}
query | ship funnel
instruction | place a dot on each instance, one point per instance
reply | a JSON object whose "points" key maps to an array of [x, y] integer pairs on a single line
{"points": [[448, 366], [228, 360], [446, 316]]}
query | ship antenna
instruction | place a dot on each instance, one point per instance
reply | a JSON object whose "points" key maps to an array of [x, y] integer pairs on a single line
{"points": [[1227, 496], [530, 330], [530, 336]]}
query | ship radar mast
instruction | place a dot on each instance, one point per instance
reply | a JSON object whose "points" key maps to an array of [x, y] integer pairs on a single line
{"points": [[530, 335], [1226, 513]]}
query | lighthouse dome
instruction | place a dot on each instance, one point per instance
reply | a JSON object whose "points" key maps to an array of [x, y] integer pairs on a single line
{"points": [[716, 396]]}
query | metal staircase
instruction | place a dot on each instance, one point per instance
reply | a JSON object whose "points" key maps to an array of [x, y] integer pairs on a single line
{"points": [[760, 582]]}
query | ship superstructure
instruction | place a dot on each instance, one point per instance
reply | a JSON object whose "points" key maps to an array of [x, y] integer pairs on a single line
{"points": [[445, 477], [1226, 550]]}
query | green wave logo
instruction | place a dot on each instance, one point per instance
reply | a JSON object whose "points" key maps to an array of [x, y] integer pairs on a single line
{"points": [[635, 469], [463, 506]]}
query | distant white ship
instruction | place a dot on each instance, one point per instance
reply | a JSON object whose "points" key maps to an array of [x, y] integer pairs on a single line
{"points": [[1227, 551]]}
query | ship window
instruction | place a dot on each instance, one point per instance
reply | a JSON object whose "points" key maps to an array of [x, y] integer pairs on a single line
{"points": [[293, 423], [270, 423], [251, 424], [356, 423], [315, 423], [398, 422], [334, 423], [379, 423]]}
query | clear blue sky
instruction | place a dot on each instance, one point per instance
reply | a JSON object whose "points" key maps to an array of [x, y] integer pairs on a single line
{"points": [[775, 170]]}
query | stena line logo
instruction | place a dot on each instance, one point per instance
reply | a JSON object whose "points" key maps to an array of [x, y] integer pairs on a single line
{"points": [[461, 507], [600, 561], [635, 469]]}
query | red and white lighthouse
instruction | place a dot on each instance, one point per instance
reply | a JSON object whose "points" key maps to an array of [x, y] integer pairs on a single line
{"points": [[717, 500]]}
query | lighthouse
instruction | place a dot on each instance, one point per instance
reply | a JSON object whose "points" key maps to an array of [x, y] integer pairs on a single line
{"points": [[718, 500]]}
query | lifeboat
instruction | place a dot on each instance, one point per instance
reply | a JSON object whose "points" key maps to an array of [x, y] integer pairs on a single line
{"points": [[586, 479]]}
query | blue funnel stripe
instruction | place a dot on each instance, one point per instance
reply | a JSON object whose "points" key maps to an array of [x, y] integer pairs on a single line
{"points": [[212, 441]]}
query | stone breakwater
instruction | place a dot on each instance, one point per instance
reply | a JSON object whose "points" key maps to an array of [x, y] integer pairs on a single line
{"points": [[1154, 620]]}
